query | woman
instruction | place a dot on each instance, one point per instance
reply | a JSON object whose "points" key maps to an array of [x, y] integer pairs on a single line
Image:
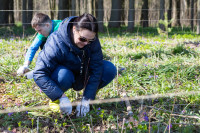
{"points": [[72, 58]]}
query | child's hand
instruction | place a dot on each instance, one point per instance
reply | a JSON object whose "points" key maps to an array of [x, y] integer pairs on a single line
{"points": [[23, 69]]}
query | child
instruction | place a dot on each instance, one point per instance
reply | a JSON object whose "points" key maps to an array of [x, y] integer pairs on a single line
{"points": [[44, 26]]}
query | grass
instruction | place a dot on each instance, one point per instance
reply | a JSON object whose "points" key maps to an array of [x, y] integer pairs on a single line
{"points": [[147, 64]]}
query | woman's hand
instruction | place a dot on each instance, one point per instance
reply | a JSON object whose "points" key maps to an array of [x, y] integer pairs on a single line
{"points": [[83, 108], [65, 105]]}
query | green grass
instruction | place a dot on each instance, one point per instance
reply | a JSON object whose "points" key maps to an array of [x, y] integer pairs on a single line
{"points": [[147, 64]]}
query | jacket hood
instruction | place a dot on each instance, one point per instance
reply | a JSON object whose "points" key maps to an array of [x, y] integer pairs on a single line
{"points": [[64, 31]]}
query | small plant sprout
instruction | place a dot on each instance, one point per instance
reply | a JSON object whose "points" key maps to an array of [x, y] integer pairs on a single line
{"points": [[165, 30]]}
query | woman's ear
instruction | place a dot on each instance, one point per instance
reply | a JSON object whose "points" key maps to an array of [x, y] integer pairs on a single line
{"points": [[74, 29]]}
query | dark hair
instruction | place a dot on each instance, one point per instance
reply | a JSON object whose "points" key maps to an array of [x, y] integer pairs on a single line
{"points": [[86, 21], [39, 19]]}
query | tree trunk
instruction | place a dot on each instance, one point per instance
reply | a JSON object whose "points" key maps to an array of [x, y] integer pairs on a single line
{"points": [[94, 7], [177, 13], [17, 14], [63, 5], [73, 7], [131, 15], [24, 14], [198, 16], [115, 14], [145, 14], [83, 6], [11, 13], [192, 14], [52, 7], [123, 11], [30, 12], [4, 15], [89, 6], [169, 13], [162, 13], [100, 15], [78, 12]]}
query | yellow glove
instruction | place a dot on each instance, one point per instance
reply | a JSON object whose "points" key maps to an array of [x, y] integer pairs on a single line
{"points": [[54, 106]]}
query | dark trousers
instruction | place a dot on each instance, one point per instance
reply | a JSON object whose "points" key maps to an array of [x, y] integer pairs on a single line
{"points": [[65, 78]]}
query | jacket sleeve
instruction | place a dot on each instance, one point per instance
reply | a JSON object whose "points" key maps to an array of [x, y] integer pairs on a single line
{"points": [[46, 63], [32, 49], [95, 70]]}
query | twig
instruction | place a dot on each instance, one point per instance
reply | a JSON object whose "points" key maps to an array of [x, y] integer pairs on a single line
{"points": [[129, 109], [177, 105], [178, 115], [159, 108], [194, 124], [128, 105], [185, 107], [38, 125], [171, 113], [91, 124], [117, 124], [72, 123], [153, 96], [123, 125], [90, 128], [158, 125], [170, 117], [117, 78], [186, 116], [149, 120]]}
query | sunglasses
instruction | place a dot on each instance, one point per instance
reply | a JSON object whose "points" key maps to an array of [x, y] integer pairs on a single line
{"points": [[83, 39]]}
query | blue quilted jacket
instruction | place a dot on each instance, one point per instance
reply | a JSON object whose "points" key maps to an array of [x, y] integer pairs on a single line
{"points": [[60, 50]]}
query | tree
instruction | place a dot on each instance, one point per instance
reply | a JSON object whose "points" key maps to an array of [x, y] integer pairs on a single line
{"points": [[89, 6], [11, 12], [123, 12], [198, 16], [115, 14], [24, 14], [17, 6], [145, 14], [73, 7], [192, 14], [78, 11], [29, 12], [100, 15], [4, 14], [177, 12], [52, 7], [83, 6], [162, 13], [169, 13], [94, 7], [131, 15], [63, 5]]}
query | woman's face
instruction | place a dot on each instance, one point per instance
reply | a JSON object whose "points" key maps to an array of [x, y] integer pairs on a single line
{"points": [[83, 37]]}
